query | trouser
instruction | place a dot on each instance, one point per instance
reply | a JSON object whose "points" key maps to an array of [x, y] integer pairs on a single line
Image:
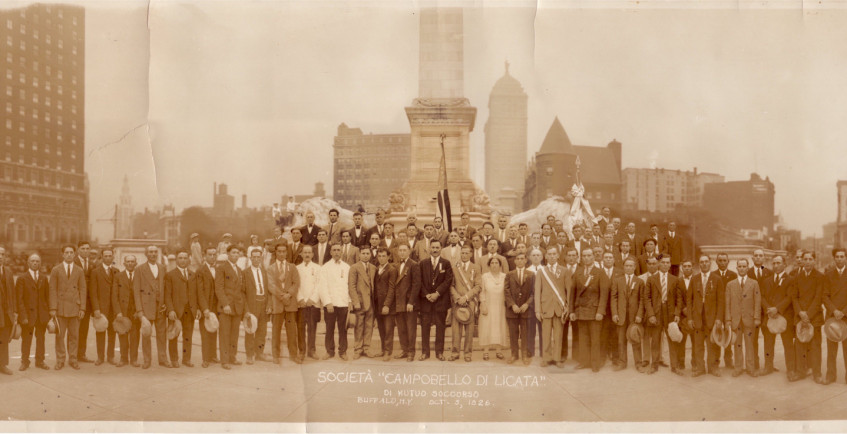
{"points": [[533, 334], [254, 344], [27, 332], [129, 342], [392, 321], [458, 329], [653, 341], [622, 350], [703, 349], [551, 336], [208, 342], [228, 332], [187, 320], [756, 347], [363, 332], [609, 338], [809, 354], [411, 319], [428, 318], [831, 354], [82, 334], [336, 319], [5, 338], [590, 345], [290, 321], [382, 326], [68, 326], [745, 357], [727, 356], [104, 351], [787, 338], [574, 337], [678, 349], [307, 326], [161, 326], [517, 330]]}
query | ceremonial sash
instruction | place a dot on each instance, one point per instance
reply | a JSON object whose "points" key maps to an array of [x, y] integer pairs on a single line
{"points": [[559, 297]]}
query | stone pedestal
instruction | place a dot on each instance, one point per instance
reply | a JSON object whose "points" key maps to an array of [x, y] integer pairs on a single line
{"points": [[136, 247], [738, 252]]}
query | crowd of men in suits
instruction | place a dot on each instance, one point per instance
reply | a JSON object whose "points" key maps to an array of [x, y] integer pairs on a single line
{"points": [[597, 293]]}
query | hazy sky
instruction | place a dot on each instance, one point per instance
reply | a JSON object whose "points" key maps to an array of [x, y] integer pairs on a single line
{"points": [[251, 94]]}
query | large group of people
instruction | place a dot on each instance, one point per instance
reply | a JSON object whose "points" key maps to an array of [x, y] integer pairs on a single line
{"points": [[596, 293]]}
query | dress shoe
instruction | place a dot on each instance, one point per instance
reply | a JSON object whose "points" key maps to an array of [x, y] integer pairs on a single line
{"points": [[313, 355], [145, 365], [297, 359], [226, 366], [98, 362], [820, 380], [59, 366], [766, 371], [235, 362], [696, 374], [263, 358], [174, 364], [356, 356], [581, 366], [753, 374], [42, 365], [484, 356], [343, 356], [74, 365], [327, 356], [440, 357], [737, 372], [249, 360], [386, 357], [663, 364], [526, 361], [165, 364], [619, 368], [135, 364], [560, 365], [187, 364], [111, 361], [216, 360], [205, 364], [5, 370], [411, 358], [120, 364], [453, 357], [24, 366], [510, 360], [653, 370], [402, 355], [84, 359], [423, 357], [376, 355], [277, 361], [729, 365], [678, 371]]}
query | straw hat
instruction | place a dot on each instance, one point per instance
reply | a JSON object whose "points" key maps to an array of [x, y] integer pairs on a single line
{"points": [[250, 323], [122, 325], [174, 329], [212, 323], [635, 332], [100, 323], [674, 333], [777, 324], [805, 331], [835, 329], [463, 314]]}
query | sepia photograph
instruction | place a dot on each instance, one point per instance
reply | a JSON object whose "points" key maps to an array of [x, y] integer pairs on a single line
{"points": [[428, 215]]}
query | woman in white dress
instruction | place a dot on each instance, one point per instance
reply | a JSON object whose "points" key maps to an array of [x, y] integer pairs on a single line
{"points": [[492, 319]]}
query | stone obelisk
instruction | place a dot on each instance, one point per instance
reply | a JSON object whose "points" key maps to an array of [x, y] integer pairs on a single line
{"points": [[441, 108]]}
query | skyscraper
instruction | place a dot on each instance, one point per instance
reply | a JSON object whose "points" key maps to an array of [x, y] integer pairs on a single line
{"points": [[43, 187], [505, 143], [124, 213]]}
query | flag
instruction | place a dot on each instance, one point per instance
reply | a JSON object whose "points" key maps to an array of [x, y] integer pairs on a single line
{"points": [[443, 196]]}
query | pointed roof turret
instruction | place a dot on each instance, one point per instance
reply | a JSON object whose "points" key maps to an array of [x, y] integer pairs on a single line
{"points": [[557, 140]]}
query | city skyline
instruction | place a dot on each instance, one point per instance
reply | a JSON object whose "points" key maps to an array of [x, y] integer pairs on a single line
{"points": [[678, 89]]}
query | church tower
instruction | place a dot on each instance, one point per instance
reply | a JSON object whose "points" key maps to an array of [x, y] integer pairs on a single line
{"points": [[505, 143]]}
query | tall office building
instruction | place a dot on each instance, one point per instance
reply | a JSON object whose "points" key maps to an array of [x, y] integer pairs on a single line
{"points": [[505, 143], [662, 190], [43, 187]]}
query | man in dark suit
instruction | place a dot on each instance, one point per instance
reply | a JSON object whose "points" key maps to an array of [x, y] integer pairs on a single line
{"points": [[85, 261], [660, 311], [181, 302], [466, 227], [68, 293], [32, 293], [648, 251], [230, 290], [672, 245], [776, 300], [100, 295], [635, 241], [321, 248], [7, 311], [379, 227], [589, 308], [149, 291], [518, 291], [295, 248], [384, 283], [358, 233], [123, 305], [406, 317], [257, 288], [207, 302], [684, 286], [434, 298], [726, 275], [627, 308], [310, 230], [759, 273], [508, 247], [706, 306], [835, 300], [360, 286], [807, 296]]}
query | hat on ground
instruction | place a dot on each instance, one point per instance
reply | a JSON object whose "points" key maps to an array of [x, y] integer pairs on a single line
{"points": [[777, 324], [146, 328], [16, 331], [835, 329], [635, 332], [463, 314], [673, 332], [351, 321], [211, 323], [100, 323], [174, 328], [195, 235], [52, 326], [805, 331], [122, 325], [250, 323]]}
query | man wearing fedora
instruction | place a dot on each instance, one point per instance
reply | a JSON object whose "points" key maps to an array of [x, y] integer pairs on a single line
{"points": [[776, 301], [149, 290], [207, 302], [706, 306], [123, 305], [100, 294], [835, 300], [518, 292], [627, 309], [32, 292], [67, 304], [229, 288], [467, 284], [807, 298], [744, 314], [7, 311], [181, 301]]}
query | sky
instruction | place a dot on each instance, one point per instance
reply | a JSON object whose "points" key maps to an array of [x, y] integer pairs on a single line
{"points": [[180, 95]]}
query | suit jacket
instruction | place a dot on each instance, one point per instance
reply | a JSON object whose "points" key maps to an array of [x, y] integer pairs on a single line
{"points": [[181, 293], [653, 304], [257, 304], [92, 264], [100, 290], [360, 284], [149, 291], [705, 313], [283, 280], [123, 296], [67, 294], [422, 250], [743, 305], [807, 296], [547, 303], [438, 279], [406, 280], [684, 292], [517, 293], [590, 296], [384, 289], [672, 247], [316, 254], [448, 254], [7, 297], [466, 283], [360, 240], [375, 230], [351, 255], [206, 297], [333, 232], [230, 289], [766, 273], [777, 293], [727, 277], [32, 299], [620, 261], [295, 251], [626, 300], [835, 292], [309, 237], [636, 244], [642, 261]]}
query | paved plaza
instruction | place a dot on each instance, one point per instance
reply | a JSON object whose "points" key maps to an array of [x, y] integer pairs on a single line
{"points": [[370, 390]]}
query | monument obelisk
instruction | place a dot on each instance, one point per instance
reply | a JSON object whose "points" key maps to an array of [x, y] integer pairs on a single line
{"points": [[441, 109]]}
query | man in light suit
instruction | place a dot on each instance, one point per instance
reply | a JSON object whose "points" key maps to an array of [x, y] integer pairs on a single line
{"points": [[231, 293], [123, 305], [361, 296], [518, 292], [405, 317], [310, 230], [207, 302], [776, 300], [32, 293], [257, 288], [287, 307], [7, 311], [706, 308], [100, 296], [334, 229], [181, 301], [589, 308], [334, 294], [744, 313], [553, 295], [67, 304], [421, 249], [149, 292], [452, 251], [433, 294], [627, 308], [726, 275], [87, 262], [467, 284], [349, 252]]}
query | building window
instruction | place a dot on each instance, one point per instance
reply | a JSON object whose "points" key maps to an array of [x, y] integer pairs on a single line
{"points": [[9, 24], [22, 78], [59, 104], [8, 124], [8, 107], [60, 43], [59, 74]]}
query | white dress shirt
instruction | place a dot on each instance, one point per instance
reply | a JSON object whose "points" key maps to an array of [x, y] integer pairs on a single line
{"points": [[333, 286], [309, 277]]}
